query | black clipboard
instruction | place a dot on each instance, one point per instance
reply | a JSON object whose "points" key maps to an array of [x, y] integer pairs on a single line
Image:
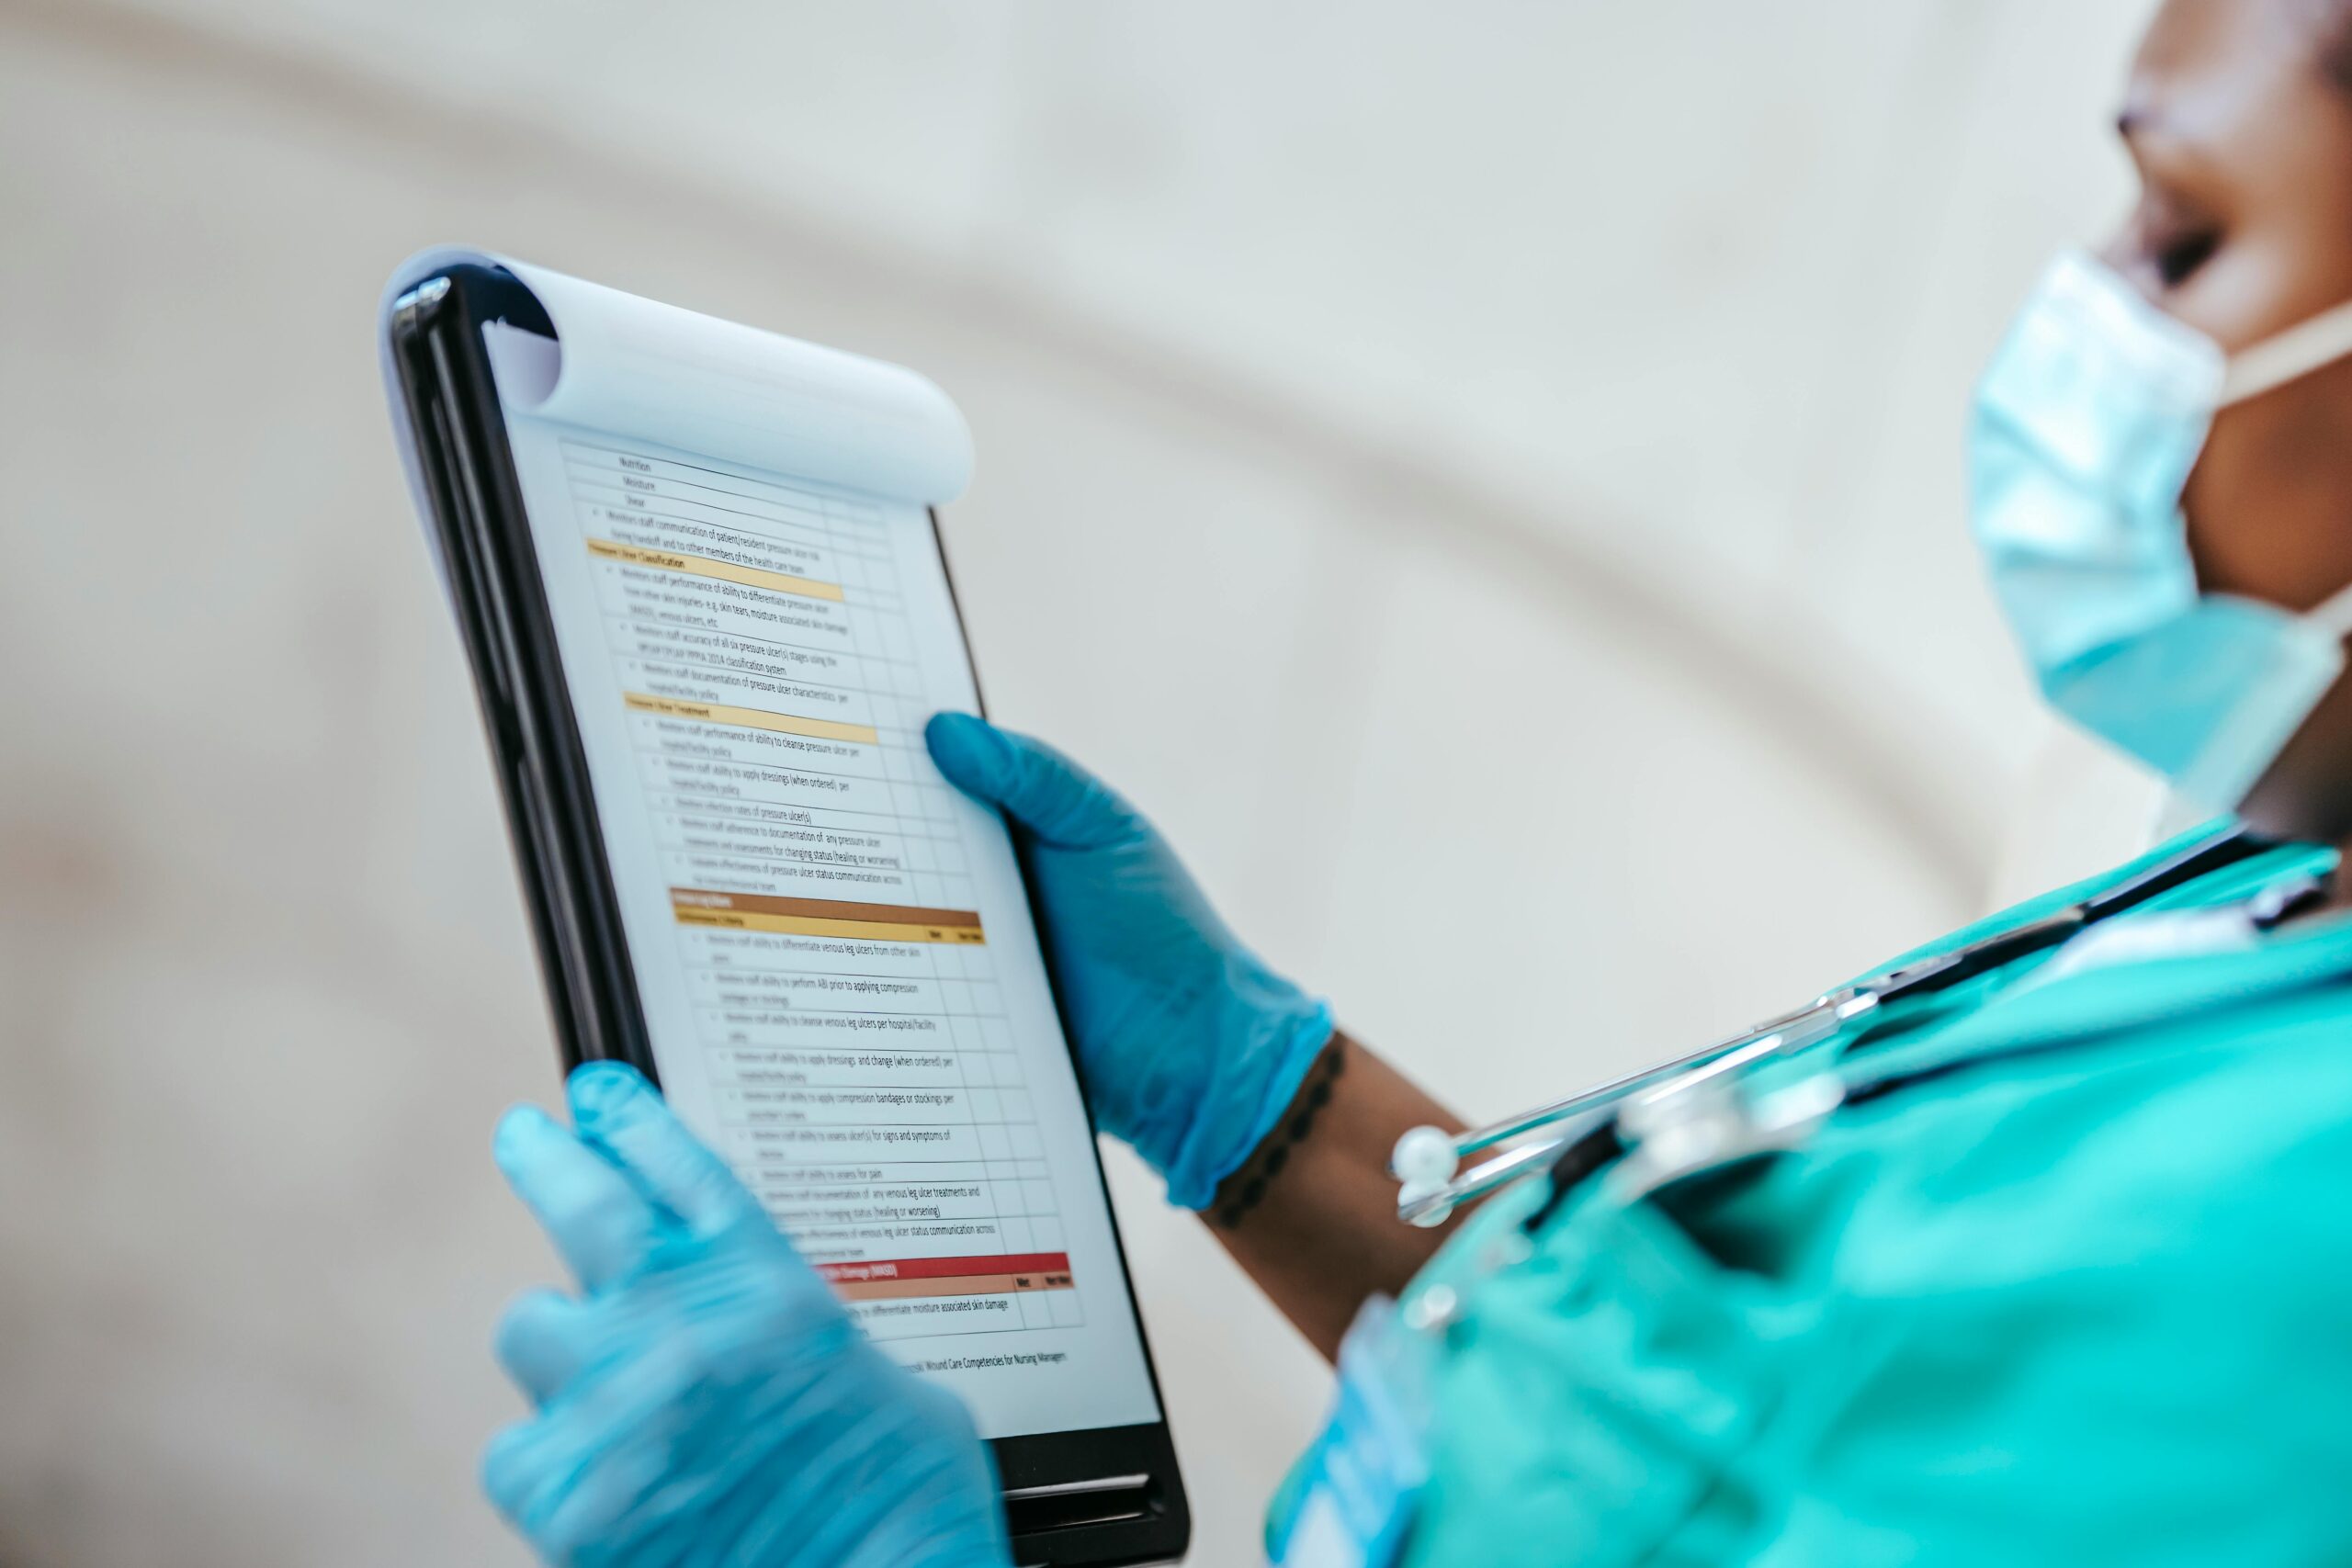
{"points": [[1103, 1496]]}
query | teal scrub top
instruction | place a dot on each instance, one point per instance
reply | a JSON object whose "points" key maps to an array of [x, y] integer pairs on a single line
{"points": [[2079, 1292]]}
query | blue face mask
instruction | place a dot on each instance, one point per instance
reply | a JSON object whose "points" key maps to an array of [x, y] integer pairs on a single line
{"points": [[2083, 435]]}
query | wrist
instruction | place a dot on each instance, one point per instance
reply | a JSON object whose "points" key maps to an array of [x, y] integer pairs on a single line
{"points": [[1278, 1038], [1320, 1231], [1246, 1186]]}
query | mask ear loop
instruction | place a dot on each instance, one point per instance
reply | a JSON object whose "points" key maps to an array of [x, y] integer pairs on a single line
{"points": [[2288, 356], [2334, 615]]}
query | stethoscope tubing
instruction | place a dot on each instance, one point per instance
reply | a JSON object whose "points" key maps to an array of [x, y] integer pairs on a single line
{"points": [[1434, 1185]]}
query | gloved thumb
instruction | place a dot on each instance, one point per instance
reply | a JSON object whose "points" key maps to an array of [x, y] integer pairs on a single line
{"points": [[1057, 801]]}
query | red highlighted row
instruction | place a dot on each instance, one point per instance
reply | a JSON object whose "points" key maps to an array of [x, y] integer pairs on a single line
{"points": [[985, 1276], [947, 1268]]}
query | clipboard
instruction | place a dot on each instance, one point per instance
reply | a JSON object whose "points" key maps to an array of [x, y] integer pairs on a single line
{"points": [[697, 571]]}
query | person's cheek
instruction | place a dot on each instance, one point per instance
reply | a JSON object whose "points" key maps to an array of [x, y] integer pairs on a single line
{"points": [[2269, 503], [2308, 446], [2223, 489]]}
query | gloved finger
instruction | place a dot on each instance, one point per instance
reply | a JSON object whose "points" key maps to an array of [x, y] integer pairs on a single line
{"points": [[616, 1111], [1045, 792], [543, 1341], [514, 1468], [529, 1471], [568, 1478], [594, 1518], [601, 1224]]}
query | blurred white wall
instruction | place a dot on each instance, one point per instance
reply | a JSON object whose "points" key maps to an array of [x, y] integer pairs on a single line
{"points": [[1444, 461]]}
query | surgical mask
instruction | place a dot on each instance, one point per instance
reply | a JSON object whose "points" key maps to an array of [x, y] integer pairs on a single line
{"points": [[2085, 430]]}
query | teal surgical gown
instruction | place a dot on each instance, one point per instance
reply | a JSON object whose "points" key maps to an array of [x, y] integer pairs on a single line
{"points": [[2077, 1289]]}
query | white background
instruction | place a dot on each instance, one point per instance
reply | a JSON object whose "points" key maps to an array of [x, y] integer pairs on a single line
{"points": [[1485, 476]]}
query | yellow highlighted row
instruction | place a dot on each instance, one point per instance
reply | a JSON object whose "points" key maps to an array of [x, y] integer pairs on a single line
{"points": [[808, 925], [754, 718], [726, 572]]}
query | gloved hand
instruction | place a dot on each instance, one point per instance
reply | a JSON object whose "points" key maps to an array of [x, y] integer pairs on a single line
{"points": [[1190, 1047], [705, 1400]]}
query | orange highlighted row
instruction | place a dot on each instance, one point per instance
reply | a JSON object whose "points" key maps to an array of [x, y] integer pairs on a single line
{"points": [[723, 570], [949, 1276], [824, 917], [754, 718]]}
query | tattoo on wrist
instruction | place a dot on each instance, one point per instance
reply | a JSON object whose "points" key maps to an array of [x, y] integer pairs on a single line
{"points": [[1245, 1188]]}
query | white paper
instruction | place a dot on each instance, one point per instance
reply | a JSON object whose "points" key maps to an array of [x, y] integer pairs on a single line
{"points": [[833, 949], [665, 374]]}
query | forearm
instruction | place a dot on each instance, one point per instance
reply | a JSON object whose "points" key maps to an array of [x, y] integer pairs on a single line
{"points": [[1311, 1215]]}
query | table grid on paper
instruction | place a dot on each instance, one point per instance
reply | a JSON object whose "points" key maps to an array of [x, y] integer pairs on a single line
{"points": [[864, 1070]]}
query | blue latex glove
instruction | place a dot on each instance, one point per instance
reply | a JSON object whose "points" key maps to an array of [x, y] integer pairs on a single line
{"points": [[705, 1400], [1190, 1047]]}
